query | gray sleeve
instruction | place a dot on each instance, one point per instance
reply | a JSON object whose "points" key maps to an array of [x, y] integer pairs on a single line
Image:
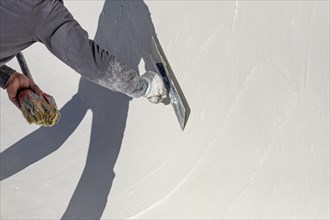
{"points": [[66, 39], [5, 73]]}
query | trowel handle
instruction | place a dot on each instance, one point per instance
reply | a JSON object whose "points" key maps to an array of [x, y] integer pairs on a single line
{"points": [[24, 67], [162, 71]]}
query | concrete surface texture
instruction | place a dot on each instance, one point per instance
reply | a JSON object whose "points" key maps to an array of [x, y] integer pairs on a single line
{"points": [[256, 145]]}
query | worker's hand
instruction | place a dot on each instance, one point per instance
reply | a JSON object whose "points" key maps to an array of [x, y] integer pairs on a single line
{"points": [[18, 82], [156, 91]]}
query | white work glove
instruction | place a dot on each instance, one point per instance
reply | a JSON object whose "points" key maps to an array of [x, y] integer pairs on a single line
{"points": [[156, 91]]}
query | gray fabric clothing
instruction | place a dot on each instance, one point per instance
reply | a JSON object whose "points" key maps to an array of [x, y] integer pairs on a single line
{"points": [[5, 73], [23, 23]]}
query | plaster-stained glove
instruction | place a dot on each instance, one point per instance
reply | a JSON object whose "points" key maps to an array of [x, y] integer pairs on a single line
{"points": [[38, 109], [156, 91]]}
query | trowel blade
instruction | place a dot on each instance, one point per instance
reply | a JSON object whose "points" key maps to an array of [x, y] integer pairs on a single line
{"points": [[162, 66]]}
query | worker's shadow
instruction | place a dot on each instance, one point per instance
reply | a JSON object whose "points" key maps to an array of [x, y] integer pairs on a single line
{"points": [[125, 29]]}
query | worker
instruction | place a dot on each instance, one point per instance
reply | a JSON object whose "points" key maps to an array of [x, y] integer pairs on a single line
{"points": [[22, 23]]}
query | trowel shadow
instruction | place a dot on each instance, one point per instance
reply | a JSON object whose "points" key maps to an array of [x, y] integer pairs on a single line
{"points": [[125, 29]]}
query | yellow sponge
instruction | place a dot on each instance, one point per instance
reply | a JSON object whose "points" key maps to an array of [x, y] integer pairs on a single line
{"points": [[38, 109]]}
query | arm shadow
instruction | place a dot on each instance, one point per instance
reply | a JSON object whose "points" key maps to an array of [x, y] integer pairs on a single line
{"points": [[43, 141]]}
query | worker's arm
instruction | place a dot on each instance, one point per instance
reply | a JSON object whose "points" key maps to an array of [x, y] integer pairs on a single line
{"points": [[66, 39]]}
